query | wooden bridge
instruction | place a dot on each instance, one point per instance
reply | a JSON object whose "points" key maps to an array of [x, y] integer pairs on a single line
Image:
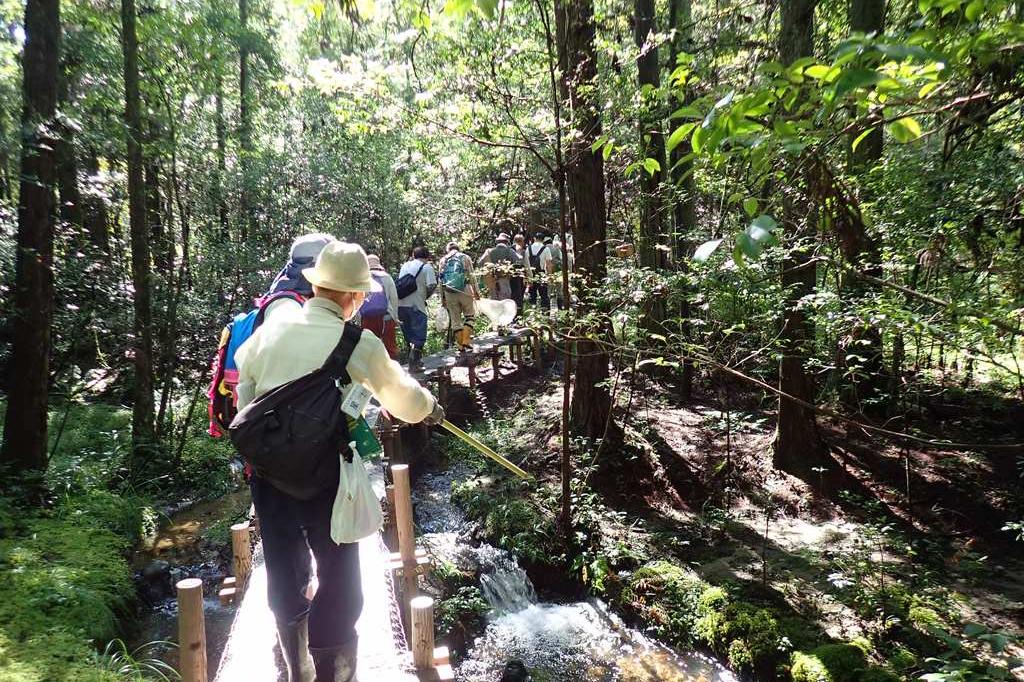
{"points": [[396, 630]]}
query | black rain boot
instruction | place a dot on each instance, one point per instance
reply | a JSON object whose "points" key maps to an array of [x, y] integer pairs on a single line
{"points": [[416, 358], [337, 664], [294, 642]]}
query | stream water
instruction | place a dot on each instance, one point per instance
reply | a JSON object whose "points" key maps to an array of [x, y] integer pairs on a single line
{"points": [[567, 642], [178, 550]]}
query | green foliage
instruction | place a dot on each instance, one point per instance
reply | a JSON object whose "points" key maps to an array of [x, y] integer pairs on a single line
{"points": [[66, 583], [510, 520], [962, 662], [666, 597], [467, 603], [750, 637], [135, 664], [829, 663]]}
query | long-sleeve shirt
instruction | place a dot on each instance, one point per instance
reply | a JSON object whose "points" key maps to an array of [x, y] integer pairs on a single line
{"points": [[297, 341]]}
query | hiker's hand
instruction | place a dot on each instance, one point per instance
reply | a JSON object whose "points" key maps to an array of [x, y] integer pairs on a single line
{"points": [[435, 417]]}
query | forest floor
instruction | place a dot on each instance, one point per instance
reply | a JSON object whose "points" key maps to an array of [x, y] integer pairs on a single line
{"points": [[900, 548]]}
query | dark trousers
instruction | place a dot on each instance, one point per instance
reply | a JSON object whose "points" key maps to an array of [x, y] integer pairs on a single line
{"points": [[518, 286], [290, 529], [545, 298]]}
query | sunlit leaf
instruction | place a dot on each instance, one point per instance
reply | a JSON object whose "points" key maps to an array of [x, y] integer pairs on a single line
{"points": [[750, 206], [905, 130]]}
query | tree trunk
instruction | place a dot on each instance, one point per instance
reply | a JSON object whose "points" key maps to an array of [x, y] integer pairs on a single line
{"points": [[574, 22], [24, 445], [652, 247], [95, 208], [218, 178], [798, 445], [142, 410], [245, 122], [867, 16], [684, 212], [67, 165]]}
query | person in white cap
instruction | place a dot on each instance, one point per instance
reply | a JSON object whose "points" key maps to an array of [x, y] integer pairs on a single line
{"points": [[303, 254], [320, 635], [501, 262]]}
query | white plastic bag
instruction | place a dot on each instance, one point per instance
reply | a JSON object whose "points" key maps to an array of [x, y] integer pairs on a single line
{"points": [[441, 319], [356, 512]]}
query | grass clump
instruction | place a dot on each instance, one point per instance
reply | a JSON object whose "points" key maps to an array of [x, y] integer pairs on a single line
{"points": [[510, 519]]}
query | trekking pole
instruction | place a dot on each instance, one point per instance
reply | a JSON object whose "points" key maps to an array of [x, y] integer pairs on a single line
{"points": [[483, 449]]}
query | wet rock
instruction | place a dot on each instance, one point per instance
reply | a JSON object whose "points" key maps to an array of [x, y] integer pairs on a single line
{"points": [[515, 671], [154, 581]]}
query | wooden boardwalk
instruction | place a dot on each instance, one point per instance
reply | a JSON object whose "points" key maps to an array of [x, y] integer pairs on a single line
{"points": [[249, 654]]}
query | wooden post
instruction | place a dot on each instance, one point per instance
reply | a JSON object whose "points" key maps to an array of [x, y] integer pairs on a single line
{"points": [[241, 545], [387, 440], [191, 631], [471, 366], [537, 360], [443, 380], [495, 366], [406, 537], [391, 526], [422, 632]]}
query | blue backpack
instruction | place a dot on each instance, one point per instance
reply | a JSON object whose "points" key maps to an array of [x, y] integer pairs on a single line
{"points": [[222, 393]]}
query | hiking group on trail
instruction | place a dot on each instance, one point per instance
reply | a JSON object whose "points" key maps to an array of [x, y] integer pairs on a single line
{"points": [[292, 379]]}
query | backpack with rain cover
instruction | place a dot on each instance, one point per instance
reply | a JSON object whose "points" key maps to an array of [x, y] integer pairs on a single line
{"points": [[376, 303], [223, 390], [453, 276], [293, 435]]}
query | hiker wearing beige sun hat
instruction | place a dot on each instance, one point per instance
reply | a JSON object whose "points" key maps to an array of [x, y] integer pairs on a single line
{"points": [[320, 633]]}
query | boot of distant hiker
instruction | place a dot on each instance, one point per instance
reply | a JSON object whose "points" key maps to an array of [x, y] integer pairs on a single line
{"points": [[337, 664], [294, 641], [415, 358], [466, 342]]}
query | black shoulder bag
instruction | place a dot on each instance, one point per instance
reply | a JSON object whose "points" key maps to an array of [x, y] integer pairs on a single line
{"points": [[293, 434]]}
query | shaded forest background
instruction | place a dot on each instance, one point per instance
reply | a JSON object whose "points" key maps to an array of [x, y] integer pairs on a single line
{"points": [[814, 206]]}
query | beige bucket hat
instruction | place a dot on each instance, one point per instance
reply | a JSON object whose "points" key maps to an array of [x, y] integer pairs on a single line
{"points": [[342, 266]]}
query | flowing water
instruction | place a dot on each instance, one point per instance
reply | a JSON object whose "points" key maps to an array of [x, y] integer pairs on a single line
{"points": [[574, 642]]}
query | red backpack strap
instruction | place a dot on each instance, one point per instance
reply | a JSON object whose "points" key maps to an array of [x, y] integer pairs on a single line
{"points": [[265, 302]]}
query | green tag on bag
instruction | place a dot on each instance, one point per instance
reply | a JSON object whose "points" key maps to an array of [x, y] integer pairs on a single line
{"points": [[366, 443]]}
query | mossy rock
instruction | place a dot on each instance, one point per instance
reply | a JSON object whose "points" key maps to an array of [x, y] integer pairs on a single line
{"points": [[829, 663], [750, 636], [665, 596]]}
